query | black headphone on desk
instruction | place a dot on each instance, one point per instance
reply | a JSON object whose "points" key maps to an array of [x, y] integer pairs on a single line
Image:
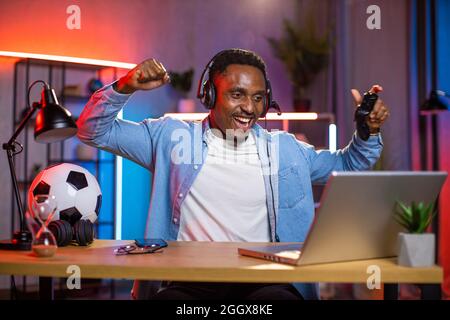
{"points": [[82, 232], [206, 91]]}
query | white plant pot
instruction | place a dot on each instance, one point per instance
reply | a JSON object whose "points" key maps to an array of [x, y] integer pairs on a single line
{"points": [[186, 105], [416, 250]]}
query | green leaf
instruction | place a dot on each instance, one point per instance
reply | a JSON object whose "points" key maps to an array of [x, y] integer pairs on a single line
{"points": [[403, 219], [405, 209], [403, 224], [416, 218]]}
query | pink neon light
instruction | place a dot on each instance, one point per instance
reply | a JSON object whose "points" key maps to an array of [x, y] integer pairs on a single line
{"points": [[95, 62]]}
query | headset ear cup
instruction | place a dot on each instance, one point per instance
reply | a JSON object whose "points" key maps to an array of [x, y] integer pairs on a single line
{"points": [[83, 232], [208, 95], [62, 230], [212, 96], [90, 231], [203, 94], [269, 102], [267, 99]]}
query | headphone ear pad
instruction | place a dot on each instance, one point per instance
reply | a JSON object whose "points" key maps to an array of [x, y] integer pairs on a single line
{"points": [[267, 99], [62, 230], [212, 95], [209, 95], [83, 232]]}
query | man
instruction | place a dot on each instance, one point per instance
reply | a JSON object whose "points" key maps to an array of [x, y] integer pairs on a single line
{"points": [[263, 194]]}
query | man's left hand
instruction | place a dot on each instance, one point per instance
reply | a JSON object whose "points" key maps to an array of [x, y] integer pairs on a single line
{"points": [[379, 113]]}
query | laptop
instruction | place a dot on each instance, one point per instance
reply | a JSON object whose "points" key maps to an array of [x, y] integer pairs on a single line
{"points": [[355, 220]]}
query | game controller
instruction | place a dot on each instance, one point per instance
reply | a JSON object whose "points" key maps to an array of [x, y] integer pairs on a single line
{"points": [[362, 112]]}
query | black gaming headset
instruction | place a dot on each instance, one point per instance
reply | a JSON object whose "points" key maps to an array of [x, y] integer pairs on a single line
{"points": [[206, 91], [82, 232]]}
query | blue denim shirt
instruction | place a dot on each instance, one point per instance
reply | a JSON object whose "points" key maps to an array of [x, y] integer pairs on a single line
{"points": [[174, 151]]}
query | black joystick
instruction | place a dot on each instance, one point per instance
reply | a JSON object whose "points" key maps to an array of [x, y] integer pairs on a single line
{"points": [[362, 112]]}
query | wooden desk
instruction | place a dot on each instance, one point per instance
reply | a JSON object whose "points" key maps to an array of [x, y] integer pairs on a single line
{"points": [[203, 261]]}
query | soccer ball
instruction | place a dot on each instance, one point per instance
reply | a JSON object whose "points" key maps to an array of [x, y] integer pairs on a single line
{"points": [[76, 190]]}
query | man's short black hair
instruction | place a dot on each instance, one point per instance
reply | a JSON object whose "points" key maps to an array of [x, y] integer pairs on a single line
{"points": [[235, 56]]}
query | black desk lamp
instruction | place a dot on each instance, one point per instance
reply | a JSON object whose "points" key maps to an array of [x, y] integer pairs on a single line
{"points": [[53, 123], [437, 101]]}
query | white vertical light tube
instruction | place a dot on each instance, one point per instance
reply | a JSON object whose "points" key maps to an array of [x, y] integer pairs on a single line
{"points": [[332, 137], [118, 186]]}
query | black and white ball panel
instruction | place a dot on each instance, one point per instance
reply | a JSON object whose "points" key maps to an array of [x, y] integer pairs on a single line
{"points": [[77, 192]]}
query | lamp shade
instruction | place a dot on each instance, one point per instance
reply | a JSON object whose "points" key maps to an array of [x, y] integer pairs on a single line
{"points": [[437, 101], [53, 122]]}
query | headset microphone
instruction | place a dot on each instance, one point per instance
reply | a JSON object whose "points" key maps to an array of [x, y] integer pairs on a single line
{"points": [[275, 105]]}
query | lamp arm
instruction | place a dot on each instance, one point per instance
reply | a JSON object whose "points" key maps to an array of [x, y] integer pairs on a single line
{"points": [[10, 148], [22, 124]]}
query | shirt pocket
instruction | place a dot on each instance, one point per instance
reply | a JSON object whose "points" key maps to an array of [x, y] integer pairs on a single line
{"points": [[290, 187]]}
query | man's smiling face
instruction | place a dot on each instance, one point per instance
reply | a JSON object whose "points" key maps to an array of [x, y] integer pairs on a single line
{"points": [[240, 95]]}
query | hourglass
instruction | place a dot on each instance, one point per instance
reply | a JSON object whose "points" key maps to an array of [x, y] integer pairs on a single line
{"points": [[43, 207]]}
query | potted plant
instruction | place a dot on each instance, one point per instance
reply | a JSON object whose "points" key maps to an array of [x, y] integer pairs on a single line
{"points": [[304, 54], [416, 248], [182, 83]]}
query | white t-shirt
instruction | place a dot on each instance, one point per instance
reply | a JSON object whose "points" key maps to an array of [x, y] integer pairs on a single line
{"points": [[227, 201]]}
